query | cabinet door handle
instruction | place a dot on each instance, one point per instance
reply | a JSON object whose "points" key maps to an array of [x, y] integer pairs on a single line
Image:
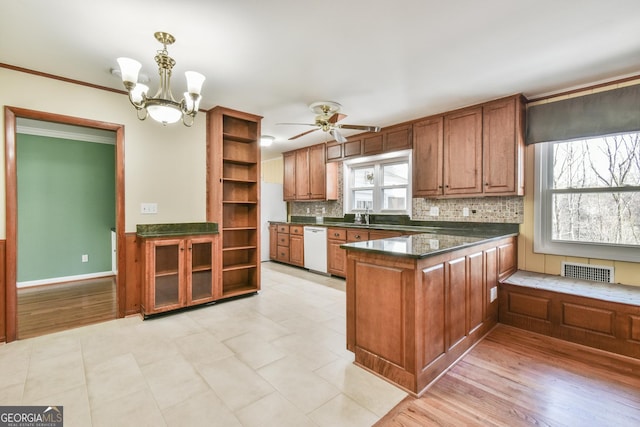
{"points": [[357, 236], [336, 234], [486, 184]]}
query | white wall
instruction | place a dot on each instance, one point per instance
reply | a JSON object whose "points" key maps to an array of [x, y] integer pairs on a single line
{"points": [[163, 164]]}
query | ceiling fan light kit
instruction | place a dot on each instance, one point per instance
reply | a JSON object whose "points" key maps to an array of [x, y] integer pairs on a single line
{"points": [[327, 118], [162, 107]]}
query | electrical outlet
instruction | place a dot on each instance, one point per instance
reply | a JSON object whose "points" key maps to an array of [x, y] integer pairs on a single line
{"points": [[148, 208], [324, 210], [465, 211], [85, 258], [494, 293], [434, 211]]}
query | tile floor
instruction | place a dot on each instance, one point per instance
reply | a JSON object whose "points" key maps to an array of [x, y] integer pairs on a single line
{"points": [[273, 359]]}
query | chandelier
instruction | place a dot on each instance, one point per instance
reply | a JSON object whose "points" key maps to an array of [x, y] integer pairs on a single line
{"points": [[162, 107]]}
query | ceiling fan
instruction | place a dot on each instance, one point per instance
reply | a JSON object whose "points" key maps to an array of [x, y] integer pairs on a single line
{"points": [[327, 118]]}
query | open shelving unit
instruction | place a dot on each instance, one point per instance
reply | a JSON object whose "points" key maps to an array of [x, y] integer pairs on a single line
{"points": [[233, 188]]}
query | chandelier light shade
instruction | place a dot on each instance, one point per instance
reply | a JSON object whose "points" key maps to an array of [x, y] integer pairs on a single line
{"points": [[162, 107]]}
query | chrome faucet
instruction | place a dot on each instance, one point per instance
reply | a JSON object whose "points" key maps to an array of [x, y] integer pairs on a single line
{"points": [[366, 215]]}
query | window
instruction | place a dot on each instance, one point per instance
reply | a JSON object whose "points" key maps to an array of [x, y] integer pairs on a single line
{"points": [[379, 184], [588, 197]]}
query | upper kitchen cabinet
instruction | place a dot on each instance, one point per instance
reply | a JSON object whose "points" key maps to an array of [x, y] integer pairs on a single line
{"points": [[462, 163], [427, 157], [397, 138], [476, 151], [308, 177], [394, 138], [503, 150], [289, 186]]}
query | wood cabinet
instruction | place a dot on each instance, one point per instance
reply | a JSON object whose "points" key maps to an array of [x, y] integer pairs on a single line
{"points": [[233, 188], [308, 177], [503, 146], [336, 256], [178, 272], [471, 152], [289, 243], [428, 140], [273, 241], [462, 163], [289, 182], [394, 138], [282, 238], [372, 144], [296, 245], [409, 319], [398, 137]]}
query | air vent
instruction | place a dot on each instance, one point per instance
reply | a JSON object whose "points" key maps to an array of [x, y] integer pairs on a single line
{"points": [[596, 273]]}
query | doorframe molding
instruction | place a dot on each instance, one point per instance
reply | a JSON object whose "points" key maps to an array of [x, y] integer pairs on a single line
{"points": [[10, 116]]}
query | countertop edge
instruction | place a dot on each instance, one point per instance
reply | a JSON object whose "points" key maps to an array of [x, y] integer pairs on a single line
{"points": [[353, 246]]}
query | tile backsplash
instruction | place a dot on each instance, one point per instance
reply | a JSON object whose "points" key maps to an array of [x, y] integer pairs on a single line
{"points": [[481, 209]]}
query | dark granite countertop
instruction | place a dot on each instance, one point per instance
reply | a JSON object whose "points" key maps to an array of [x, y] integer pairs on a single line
{"points": [[179, 229], [422, 245], [403, 223]]}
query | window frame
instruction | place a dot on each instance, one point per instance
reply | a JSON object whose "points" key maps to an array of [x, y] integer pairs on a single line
{"points": [[543, 212], [397, 157]]}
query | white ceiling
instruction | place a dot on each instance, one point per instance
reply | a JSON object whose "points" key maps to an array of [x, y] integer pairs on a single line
{"points": [[385, 62]]}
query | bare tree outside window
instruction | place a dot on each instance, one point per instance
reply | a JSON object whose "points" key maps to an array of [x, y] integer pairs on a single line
{"points": [[596, 190]]}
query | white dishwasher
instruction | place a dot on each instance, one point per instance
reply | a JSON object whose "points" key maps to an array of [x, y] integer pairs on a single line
{"points": [[315, 249]]}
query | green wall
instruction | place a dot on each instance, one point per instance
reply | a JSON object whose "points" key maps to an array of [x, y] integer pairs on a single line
{"points": [[66, 206]]}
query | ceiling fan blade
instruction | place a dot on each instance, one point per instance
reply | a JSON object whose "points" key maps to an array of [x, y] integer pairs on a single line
{"points": [[336, 118], [337, 135], [302, 134], [297, 124], [360, 127]]}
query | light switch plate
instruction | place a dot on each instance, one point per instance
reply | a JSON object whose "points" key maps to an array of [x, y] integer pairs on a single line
{"points": [[494, 293], [434, 211]]}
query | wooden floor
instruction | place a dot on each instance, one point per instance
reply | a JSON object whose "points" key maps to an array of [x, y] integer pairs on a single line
{"points": [[52, 308], [517, 378]]}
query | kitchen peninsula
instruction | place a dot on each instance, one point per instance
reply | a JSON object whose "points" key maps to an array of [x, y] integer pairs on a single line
{"points": [[416, 303]]}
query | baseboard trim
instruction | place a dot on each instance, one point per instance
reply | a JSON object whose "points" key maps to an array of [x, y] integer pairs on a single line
{"points": [[53, 280]]}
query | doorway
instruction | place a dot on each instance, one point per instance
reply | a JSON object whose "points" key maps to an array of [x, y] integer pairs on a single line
{"points": [[11, 116]]}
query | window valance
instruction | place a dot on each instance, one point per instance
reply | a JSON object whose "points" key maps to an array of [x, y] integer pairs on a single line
{"points": [[596, 114]]}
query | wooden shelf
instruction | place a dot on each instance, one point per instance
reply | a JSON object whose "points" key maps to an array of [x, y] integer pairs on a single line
{"points": [[239, 267], [239, 228], [242, 202], [240, 181], [238, 138], [239, 248], [238, 161], [165, 273], [201, 268]]}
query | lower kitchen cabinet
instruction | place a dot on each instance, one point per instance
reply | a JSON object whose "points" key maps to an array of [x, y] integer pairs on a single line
{"points": [[178, 272], [296, 245], [287, 241], [336, 256]]}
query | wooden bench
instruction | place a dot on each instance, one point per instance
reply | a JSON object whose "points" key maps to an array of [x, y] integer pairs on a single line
{"points": [[599, 315]]}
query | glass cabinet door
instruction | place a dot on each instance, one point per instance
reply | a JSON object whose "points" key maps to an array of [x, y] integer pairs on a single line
{"points": [[167, 271], [201, 253]]}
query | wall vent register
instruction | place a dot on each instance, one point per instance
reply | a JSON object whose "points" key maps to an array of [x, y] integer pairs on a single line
{"points": [[596, 273]]}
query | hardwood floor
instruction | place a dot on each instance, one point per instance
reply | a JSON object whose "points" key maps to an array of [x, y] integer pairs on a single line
{"points": [[52, 308], [518, 378]]}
